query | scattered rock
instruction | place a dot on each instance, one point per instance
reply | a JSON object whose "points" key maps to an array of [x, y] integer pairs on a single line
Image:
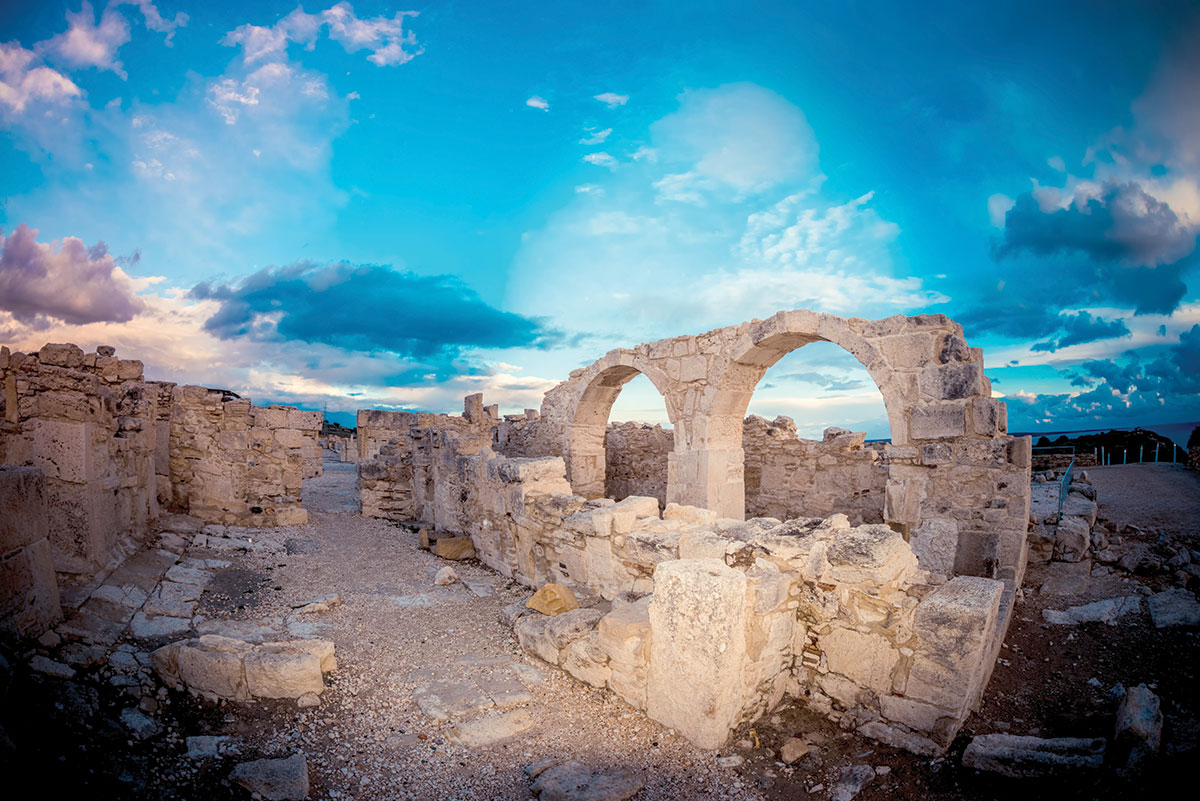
{"points": [[308, 700], [793, 750], [1108, 611], [445, 576], [142, 726], [1072, 539], [1017, 756], [274, 779], [316, 606], [150, 627], [51, 668], [1177, 607], [210, 747], [731, 761], [454, 548], [223, 667], [553, 599], [486, 731], [852, 781], [1139, 729], [573, 781]]}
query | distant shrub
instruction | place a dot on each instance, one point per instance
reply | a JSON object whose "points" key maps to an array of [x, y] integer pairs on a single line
{"points": [[1194, 439]]}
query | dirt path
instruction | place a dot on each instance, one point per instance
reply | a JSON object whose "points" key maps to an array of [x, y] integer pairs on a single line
{"points": [[1156, 497]]}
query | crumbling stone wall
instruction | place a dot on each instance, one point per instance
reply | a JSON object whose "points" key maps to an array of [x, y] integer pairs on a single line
{"points": [[387, 486], [87, 420], [235, 463], [715, 621], [636, 460], [788, 477], [29, 601]]}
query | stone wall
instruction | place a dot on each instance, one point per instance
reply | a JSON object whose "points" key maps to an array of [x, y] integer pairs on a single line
{"points": [[715, 621], [235, 463], [790, 477], [386, 485], [88, 420], [29, 602], [636, 456]]}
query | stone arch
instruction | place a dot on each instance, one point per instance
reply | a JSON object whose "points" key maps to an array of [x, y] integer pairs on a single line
{"points": [[581, 407]]}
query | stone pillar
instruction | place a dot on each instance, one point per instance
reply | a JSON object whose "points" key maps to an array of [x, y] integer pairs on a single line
{"points": [[710, 478], [29, 601]]}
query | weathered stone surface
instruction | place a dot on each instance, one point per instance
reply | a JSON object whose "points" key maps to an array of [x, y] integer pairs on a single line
{"points": [[586, 660], [274, 779], [867, 659], [492, 729], [445, 576], [1072, 539], [1022, 757], [318, 605], [277, 670], [553, 599], [454, 548], [1138, 731], [697, 647], [545, 637], [151, 627], [223, 667], [1108, 611], [573, 781], [792, 750], [1177, 607], [139, 724], [851, 782]]}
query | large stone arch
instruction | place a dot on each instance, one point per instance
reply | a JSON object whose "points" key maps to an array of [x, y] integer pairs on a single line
{"points": [[957, 486], [579, 408]]}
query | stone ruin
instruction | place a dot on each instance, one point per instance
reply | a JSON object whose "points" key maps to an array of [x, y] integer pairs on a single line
{"points": [[873, 583], [719, 567], [107, 449]]}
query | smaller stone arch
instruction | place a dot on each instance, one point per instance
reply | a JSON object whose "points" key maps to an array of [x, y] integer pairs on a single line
{"points": [[579, 409]]}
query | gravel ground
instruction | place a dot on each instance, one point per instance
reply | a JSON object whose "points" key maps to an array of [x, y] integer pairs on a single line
{"points": [[1162, 497]]}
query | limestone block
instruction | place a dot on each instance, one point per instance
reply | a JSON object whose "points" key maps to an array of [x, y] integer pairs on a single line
{"points": [[989, 417], [553, 599], [291, 516], [456, 548], [289, 438], [63, 449], [955, 626], [908, 351], [210, 665], [1138, 732], [29, 599], [587, 661], [902, 501], [703, 545], [935, 544], [648, 548], [1072, 539], [913, 714], [697, 649], [866, 659], [624, 633], [870, 554], [545, 637], [61, 355], [1024, 757], [23, 513], [690, 514], [937, 421], [951, 381], [276, 670]]}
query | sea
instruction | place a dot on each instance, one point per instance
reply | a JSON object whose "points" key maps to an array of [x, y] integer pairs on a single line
{"points": [[1176, 432]]}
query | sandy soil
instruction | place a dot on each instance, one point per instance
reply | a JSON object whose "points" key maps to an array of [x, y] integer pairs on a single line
{"points": [[395, 633]]}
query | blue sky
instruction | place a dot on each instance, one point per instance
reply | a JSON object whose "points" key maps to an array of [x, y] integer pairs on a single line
{"points": [[386, 205]]}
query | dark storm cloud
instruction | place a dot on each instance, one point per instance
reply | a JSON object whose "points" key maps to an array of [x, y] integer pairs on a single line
{"points": [[1123, 223], [1082, 327], [366, 308]]}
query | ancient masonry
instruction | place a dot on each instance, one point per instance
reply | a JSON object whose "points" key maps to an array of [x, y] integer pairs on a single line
{"points": [[100, 450], [718, 567], [874, 583]]}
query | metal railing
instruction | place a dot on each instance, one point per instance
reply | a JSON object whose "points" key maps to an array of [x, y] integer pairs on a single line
{"points": [[1064, 484]]}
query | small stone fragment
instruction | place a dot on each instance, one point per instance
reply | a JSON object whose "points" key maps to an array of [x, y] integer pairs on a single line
{"points": [[445, 576], [307, 700], [731, 761], [51, 668], [1139, 728], [274, 779], [553, 599], [853, 780], [793, 750], [142, 726], [315, 606], [1177, 607], [573, 781]]}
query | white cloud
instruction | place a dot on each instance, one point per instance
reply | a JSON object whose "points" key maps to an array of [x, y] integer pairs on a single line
{"points": [[583, 189], [612, 99], [86, 44], [22, 83], [743, 137], [154, 20], [596, 137], [601, 159], [385, 37], [538, 102]]}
